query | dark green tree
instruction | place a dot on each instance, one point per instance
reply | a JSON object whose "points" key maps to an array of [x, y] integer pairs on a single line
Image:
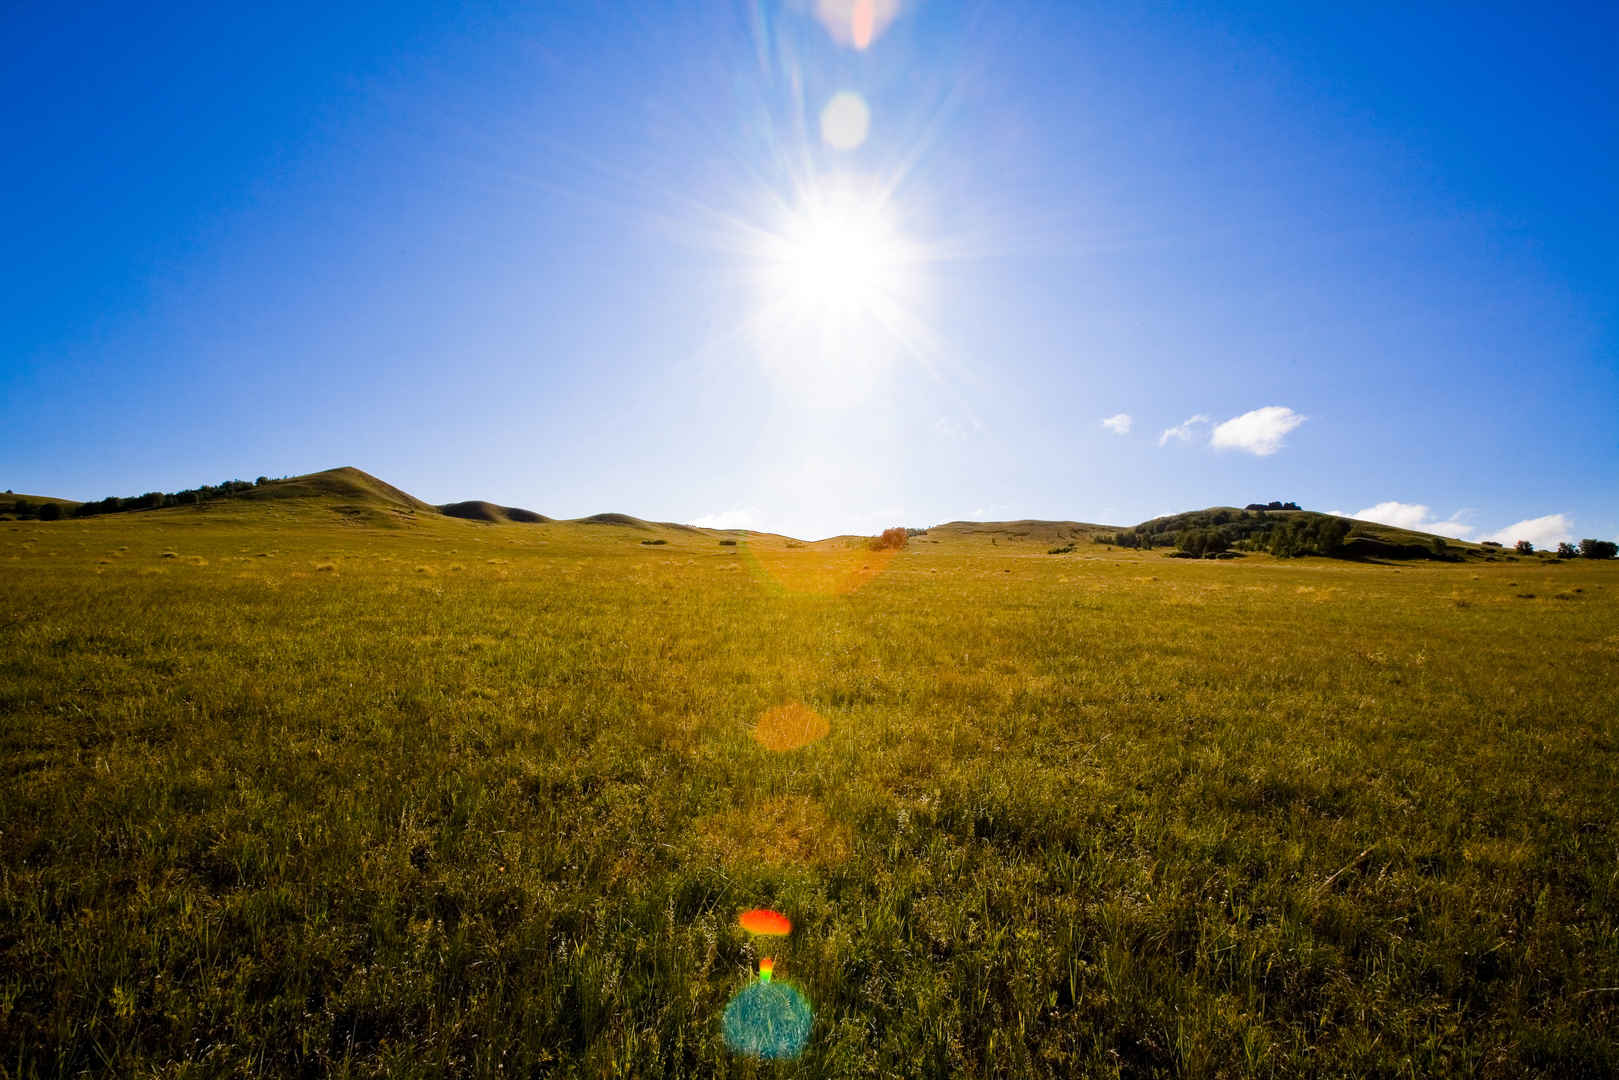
{"points": [[1598, 549]]}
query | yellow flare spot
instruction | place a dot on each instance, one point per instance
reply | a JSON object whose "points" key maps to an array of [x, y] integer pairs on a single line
{"points": [[788, 727]]}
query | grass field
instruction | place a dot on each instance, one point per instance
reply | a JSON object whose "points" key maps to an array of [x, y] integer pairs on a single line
{"points": [[295, 792]]}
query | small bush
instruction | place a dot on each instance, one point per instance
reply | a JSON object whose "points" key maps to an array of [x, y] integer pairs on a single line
{"points": [[891, 539], [727, 543], [654, 542], [1065, 549]]}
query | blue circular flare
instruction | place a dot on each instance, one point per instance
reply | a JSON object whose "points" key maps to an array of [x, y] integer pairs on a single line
{"points": [[768, 1020]]}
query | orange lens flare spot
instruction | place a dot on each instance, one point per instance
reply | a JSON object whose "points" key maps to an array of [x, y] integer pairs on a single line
{"points": [[766, 922], [767, 968], [863, 22], [788, 727], [832, 567]]}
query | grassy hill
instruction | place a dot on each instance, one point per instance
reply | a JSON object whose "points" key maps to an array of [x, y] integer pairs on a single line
{"points": [[1364, 540], [478, 510], [1028, 531], [346, 484]]}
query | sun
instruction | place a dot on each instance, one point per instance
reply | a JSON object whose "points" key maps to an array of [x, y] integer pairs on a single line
{"points": [[838, 294], [834, 263]]}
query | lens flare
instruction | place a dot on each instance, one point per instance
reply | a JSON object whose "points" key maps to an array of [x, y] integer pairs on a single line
{"points": [[766, 923], [845, 121], [768, 1019], [856, 23], [789, 727], [863, 23], [767, 969], [828, 568]]}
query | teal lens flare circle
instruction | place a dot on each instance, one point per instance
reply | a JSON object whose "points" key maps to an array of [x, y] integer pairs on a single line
{"points": [[768, 1020]]}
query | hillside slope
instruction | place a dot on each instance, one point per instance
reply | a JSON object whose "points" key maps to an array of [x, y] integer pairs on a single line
{"points": [[346, 483], [478, 510]]}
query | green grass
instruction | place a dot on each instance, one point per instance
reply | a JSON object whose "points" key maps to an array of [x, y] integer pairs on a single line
{"points": [[336, 793]]}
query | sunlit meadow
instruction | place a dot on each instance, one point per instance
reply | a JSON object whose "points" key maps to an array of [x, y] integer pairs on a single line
{"points": [[293, 794]]}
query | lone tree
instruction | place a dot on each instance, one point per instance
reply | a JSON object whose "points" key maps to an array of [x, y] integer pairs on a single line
{"points": [[1566, 550], [50, 512], [1524, 547]]}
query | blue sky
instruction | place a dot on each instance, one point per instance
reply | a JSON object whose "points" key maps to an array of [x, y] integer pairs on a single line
{"points": [[587, 257]]}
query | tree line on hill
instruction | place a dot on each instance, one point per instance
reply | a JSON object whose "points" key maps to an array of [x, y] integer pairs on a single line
{"points": [[152, 500], [1211, 533]]}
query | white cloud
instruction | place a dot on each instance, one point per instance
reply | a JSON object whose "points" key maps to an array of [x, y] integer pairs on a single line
{"points": [[1417, 517], [728, 519], [1118, 423], [1183, 431], [1543, 532], [1258, 432]]}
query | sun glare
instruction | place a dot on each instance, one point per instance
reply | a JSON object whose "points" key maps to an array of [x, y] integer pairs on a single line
{"points": [[836, 262]]}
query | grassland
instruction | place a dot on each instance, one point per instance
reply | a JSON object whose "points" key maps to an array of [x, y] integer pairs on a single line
{"points": [[302, 787]]}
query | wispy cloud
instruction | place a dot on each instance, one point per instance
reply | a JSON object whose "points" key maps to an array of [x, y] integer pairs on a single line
{"points": [[1258, 432], [1182, 431], [1418, 517], [1543, 532], [1118, 423], [728, 519]]}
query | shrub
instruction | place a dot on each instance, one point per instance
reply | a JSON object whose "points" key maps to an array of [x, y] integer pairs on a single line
{"points": [[50, 512], [891, 539], [660, 540], [727, 543], [1060, 550]]}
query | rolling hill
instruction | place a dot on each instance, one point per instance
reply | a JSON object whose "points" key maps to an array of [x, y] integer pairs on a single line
{"points": [[478, 510], [362, 497]]}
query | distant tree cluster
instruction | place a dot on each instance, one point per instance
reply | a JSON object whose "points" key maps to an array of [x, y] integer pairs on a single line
{"points": [[1320, 536], [27, 508], [1138, 537], [1273, 506], [1599, 549], [1202, 542], [156, 500]]}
